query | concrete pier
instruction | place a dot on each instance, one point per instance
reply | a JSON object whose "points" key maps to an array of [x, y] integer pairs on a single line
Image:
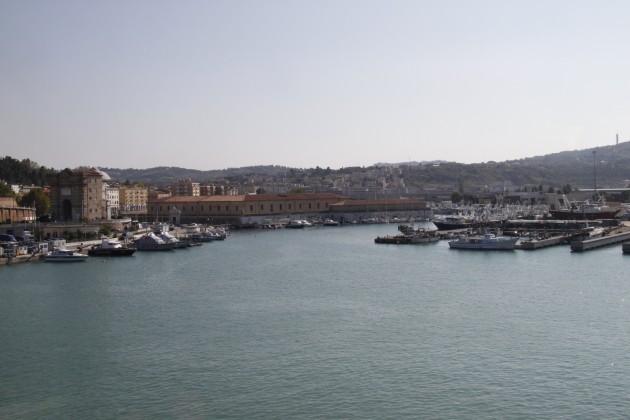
{"points": [[579, 246]]}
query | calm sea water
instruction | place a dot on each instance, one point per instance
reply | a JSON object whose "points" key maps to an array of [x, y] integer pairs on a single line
{"points": [[318, 323]]}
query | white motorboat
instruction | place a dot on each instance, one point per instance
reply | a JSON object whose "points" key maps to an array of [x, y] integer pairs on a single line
{"points": [[64, 255]]}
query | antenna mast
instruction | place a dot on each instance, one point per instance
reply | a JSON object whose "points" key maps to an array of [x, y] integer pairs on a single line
{"points": [[594, 173]]}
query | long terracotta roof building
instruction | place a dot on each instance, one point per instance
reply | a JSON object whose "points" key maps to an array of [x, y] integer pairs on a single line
{"points": [[252, 209]]}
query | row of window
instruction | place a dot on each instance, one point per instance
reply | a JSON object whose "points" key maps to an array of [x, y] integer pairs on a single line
{"points": [[251, 207]]}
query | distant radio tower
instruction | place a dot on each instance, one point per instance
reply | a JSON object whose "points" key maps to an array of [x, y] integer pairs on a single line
{"points": [[594, 173]]}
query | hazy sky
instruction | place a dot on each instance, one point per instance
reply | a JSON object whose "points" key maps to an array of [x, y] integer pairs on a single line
{"points": [[216, 84]]}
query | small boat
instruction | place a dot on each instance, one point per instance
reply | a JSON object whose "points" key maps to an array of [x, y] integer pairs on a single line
{"points": [[64, 255], [488, 241], [330, 222], [110, 248], [296, 224]]}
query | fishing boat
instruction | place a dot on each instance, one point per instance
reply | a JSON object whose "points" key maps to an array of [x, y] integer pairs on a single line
{"points": [[64, 255], [584, 210], [452, 222], [487, 241], [110, 248]]}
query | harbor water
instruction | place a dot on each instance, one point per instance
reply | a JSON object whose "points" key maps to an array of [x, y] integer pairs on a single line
{"points": [[318, 323]]}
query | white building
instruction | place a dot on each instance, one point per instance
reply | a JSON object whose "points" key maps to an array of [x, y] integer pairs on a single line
{"points": [[112, 197]]}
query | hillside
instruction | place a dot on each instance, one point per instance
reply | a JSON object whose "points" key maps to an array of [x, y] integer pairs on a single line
{"points": [[612, 164], [612, 169]]}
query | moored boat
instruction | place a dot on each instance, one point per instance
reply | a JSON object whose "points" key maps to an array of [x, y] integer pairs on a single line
{"points": [[396, 240], [151, 242], [452, 222], [296, 224], [64, 255], [423, 238], [584, 210], [488, 241], [110, 248]]}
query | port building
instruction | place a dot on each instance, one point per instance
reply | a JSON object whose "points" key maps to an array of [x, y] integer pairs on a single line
{"points": [[251, 209]]}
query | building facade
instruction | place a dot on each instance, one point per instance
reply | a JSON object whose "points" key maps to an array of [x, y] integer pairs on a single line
{"points": [[112, 198], [77, 196], [11, 213], [185, 187], [239, 209], [133, 199], [258, 208]]}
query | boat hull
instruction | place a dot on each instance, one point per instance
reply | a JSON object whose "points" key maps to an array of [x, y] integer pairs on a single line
{"points": [[119, 252], [64, 259], [578, 215], [487, 242], [155, 247], [451, 225]]}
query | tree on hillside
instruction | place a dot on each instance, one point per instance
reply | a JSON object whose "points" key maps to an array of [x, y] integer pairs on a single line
{"points": [[36, 198], [24, 172], [6, 191]]}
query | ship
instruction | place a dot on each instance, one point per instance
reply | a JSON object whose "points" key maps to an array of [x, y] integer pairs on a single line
{"points": [[488, 242], [584, 210]]}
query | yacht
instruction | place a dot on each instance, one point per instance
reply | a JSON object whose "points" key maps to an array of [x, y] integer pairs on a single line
{"points": [[151, 242], [110, 248]]}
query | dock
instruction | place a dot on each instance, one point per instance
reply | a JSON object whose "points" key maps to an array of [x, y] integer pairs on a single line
{"points": [[580, 246], [532, 244]]}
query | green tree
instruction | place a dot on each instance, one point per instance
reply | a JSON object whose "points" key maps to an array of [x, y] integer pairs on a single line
{"points": [[456, 197], [6, 191], [36, 198], [105, 230]]}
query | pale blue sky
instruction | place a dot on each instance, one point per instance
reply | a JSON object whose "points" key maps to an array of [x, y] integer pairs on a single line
{"points": [[217, 84]]}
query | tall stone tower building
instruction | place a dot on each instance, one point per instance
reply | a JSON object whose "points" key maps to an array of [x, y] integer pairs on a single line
{"points": [[77, 196]]}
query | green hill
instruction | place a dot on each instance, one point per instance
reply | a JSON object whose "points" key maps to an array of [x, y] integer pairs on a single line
{"points": [[611, 165]]}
